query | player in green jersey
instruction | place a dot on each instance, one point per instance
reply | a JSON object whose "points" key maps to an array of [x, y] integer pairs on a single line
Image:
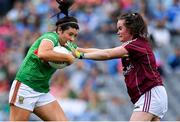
{"points": [[30, 89]]}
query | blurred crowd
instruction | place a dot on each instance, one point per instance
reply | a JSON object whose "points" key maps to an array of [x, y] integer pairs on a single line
{"points": [[87, 88]]}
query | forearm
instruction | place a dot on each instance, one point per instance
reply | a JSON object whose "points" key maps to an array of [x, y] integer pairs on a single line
{"points": [[98, 55], [53, 56], [87, 50], [105, 54]]}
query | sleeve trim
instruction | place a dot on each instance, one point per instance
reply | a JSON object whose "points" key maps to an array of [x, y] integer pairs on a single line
{"points": [[48, 40]]}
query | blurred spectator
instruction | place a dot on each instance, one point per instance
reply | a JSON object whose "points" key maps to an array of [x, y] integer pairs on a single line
{"points": [[162, 38], [17, 12], [78, 78], [5, 6], [60, 87], [112, 66], [126, 5], [172, 14], [174, 59], [161, 34], [4, 91], [3, 46], [90, 88]]}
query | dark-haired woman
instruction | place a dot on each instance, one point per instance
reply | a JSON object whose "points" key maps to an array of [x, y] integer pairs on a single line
{"points": [[30, 89], [143, 81]]}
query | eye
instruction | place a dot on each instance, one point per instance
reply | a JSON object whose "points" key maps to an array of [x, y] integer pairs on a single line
{"points": [[119, 28], [72, 35]]}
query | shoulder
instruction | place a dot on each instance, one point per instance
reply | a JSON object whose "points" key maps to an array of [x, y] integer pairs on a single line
{"points": [[50, 34], [136, 45], [53, 36], [140, 42]]}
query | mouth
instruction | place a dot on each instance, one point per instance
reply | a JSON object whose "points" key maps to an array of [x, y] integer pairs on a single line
{"points": [[120, 36]]}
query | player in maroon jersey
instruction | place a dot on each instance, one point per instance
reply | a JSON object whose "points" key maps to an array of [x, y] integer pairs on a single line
{"points": [[142, 79]]}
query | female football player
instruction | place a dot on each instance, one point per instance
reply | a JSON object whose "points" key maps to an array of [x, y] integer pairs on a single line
{"points": [[30, 89], [143, 81]]}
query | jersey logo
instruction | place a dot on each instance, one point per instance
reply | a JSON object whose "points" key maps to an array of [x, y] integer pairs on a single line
{"points": [[21, 99], [136, 107], [127, 69]]}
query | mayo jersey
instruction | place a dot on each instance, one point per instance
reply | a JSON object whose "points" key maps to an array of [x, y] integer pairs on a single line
{"points": [[34, 72]]}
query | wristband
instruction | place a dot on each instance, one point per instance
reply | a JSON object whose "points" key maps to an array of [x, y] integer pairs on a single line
{"points": [[81, 56]]}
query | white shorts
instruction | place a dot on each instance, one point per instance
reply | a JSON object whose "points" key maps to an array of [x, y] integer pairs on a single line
{"points": [[153, 101], [25, 97]]}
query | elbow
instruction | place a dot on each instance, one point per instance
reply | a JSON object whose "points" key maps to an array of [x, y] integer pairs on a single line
{"points": [[109, 55], [41, 56], [106, 57], [70, 59]]}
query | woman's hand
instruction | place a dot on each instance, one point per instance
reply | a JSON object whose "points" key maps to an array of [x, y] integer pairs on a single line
{"points": [[71, 59], [73, 48]]}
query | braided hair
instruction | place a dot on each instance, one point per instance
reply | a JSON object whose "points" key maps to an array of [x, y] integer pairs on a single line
{"points": [[67, 21]]}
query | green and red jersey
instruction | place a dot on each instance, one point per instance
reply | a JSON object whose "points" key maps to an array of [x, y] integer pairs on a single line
{"points": [[34, 72]]}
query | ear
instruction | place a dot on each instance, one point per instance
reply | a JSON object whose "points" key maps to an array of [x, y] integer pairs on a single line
{"points": [[59, 30]]}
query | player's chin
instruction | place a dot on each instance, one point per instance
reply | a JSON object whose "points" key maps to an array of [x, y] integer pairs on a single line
{"points": [[63, 44], [121, 40]]}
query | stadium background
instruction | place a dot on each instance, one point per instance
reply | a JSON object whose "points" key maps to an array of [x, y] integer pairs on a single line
{"points": [[89, 90]]}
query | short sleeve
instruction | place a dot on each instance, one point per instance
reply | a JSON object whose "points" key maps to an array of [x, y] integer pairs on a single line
{"points": [[136, 48], [52, 37]]}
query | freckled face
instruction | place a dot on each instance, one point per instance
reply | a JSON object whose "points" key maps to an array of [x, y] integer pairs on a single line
{"points": [[123, 32]]}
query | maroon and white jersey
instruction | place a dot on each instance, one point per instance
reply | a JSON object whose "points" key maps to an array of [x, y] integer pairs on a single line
{"points": [[139, 68]]}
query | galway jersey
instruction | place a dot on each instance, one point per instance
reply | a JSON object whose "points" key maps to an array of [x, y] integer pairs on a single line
{"points": [[140, 69], [34, 72]]}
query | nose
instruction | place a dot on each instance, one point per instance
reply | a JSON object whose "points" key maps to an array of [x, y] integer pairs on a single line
{"points": [[118, 33], [73, 38], [70, 38]]}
